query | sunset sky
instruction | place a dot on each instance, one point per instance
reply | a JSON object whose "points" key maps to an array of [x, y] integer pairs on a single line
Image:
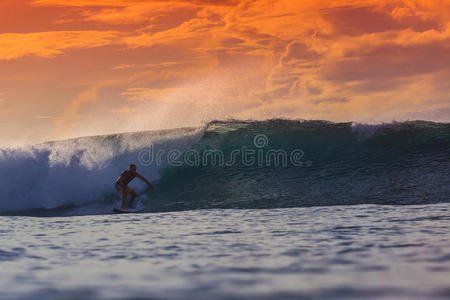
{"points": [[84, 67]]}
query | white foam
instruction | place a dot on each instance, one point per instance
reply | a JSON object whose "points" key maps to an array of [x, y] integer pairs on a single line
{"points": [[368, 130], [79, 171]]}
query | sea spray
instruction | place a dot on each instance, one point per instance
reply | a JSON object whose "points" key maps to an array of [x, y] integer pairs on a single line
{"points": [[78, 171]]}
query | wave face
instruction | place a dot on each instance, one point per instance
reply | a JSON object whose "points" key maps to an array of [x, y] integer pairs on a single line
{"points": [[287, 164]]}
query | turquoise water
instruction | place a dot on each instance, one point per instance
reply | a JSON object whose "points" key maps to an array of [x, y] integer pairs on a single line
{"points": [[260, 164], [339, 252]]}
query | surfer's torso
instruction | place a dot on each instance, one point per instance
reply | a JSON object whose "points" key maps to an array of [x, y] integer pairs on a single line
{"points": [[126, 177]]}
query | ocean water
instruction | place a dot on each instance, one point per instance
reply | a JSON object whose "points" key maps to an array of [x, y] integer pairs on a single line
{"points": [[338, 252], [274, 209]]}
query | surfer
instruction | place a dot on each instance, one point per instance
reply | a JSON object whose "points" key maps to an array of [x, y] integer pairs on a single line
{"points": [[123, 188]]}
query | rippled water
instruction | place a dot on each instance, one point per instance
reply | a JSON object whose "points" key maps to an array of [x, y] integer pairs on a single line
{"points": [[365, 251]]}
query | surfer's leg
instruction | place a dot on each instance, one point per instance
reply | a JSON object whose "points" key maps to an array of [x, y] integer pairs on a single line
{"points": [[133, 196], [124, 198]]}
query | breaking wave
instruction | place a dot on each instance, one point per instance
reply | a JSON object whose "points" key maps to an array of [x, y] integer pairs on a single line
{"points": [[337, 164]]}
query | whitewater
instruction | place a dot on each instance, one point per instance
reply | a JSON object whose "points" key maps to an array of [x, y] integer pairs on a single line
{"points": [[275, 209]]}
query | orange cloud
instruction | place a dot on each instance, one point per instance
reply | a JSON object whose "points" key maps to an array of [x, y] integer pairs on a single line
{"points": [[124, 111], [50, 44], [3, 111], [72, 113], [44, 117], [85, 2], [145, 94]]}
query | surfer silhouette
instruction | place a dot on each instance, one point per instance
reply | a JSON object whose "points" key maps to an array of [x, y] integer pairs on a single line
{"points": [[123, 188]]}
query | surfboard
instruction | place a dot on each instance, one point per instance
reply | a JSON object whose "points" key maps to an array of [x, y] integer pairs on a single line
{"points": [[126, 211]]}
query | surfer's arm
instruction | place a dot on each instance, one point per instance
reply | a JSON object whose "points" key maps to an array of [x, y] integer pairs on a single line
{"points": [[145, 180]]}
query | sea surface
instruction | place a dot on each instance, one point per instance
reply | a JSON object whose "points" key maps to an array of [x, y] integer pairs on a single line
{"points": [[339, 252], [275, 209]]}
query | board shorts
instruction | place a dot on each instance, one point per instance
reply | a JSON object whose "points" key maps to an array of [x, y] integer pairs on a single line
{"points": [[121, 190]]}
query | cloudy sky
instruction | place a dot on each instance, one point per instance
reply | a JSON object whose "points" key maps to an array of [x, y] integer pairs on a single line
{"points": [[83, 67]]}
